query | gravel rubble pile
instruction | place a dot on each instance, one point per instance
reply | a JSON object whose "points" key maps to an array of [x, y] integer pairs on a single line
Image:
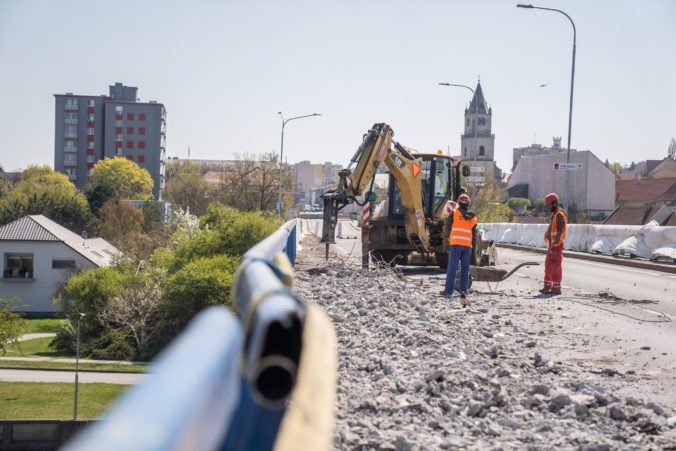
{"points": [[416, 371]]}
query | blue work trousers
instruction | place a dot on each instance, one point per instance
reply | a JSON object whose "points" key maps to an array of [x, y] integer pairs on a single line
{"points": [[462, 254]]}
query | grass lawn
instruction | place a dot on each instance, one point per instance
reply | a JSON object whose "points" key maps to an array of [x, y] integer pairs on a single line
{"points": [[42, 325], [35, 347], [44, 401]]}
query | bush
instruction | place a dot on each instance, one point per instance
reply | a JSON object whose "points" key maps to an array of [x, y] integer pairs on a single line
{"points": [[201, 283], [12, 326], [518, 204]]}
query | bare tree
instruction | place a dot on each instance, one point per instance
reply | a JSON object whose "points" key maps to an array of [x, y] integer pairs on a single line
{"points": [[672, 149], [137, 309], [250, 183]]}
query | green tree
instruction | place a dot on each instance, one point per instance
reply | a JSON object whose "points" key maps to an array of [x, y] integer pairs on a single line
{"points": [[118, 178], [12, 326], [44, 191]]}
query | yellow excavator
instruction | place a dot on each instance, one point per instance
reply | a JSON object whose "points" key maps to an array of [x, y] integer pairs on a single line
{"points": [[410, 223]]}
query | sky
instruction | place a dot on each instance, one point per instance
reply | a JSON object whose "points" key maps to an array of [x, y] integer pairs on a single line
{"points": [[224, 69]]}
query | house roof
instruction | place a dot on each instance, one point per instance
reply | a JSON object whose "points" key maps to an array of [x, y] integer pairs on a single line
{"points": [[645, 190], [666, 165], [41, 228], [625, 215], [626, 176]]}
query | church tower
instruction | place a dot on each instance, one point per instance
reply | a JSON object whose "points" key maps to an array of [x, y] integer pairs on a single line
{"points": [[477, 143]]}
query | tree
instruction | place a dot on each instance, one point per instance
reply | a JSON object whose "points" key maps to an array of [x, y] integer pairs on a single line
{"points": [[251, 183], [671, 151], [137, 310], [186, 187], [12, 326], [118, 178], [44, 191]]}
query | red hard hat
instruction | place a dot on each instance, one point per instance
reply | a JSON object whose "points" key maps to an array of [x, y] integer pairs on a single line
{"points": [[463, 199], [551, 197]]}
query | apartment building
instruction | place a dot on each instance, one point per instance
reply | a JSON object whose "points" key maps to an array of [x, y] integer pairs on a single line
{"points": [[90, 128]]}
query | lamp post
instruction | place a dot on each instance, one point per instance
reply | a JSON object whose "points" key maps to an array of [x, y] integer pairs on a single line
{"points": [[572, 85], [476, 126], [281, 155], [77, 363]]}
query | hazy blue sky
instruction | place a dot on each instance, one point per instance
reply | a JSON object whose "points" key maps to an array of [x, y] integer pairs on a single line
{"points": [[223, 69]]}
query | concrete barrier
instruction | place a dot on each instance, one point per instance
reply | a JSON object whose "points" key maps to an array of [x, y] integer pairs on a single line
{"points": [[37, 435]]}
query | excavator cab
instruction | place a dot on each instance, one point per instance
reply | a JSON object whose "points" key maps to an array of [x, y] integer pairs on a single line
{"points": [[387, 238]]}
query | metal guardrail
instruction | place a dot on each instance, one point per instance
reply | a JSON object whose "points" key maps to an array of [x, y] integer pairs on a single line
{"points": [[224, 382]]}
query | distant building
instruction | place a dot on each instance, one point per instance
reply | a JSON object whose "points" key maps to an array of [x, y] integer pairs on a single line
{"points": [[38, 255], [313, 179], [477, 143], [536, 149], [592, 186], [91, 128]]}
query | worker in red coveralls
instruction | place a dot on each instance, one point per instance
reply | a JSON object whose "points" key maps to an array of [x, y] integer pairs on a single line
{"points": [[554, 237]]}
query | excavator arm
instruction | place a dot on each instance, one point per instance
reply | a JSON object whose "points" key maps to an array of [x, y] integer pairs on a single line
{"points": [[376, 148]]}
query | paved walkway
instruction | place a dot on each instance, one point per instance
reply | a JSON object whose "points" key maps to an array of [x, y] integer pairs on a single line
{"points": [[27, 337]]}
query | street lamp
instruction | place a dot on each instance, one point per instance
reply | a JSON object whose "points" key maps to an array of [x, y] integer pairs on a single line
{"points": [[281, 155], [77, 363], [572, 84], [476, 126]]}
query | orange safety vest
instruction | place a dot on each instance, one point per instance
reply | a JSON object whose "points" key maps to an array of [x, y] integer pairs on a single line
{"points": [[461, 230], [552, 229]]}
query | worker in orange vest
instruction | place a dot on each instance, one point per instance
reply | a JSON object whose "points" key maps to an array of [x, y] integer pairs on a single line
{"points": [[463, 230], [554, 237]]}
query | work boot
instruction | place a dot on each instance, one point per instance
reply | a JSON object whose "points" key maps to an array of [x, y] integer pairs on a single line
{"points": [[446, 294], [463, 300], [545, 291], [555, 292]]}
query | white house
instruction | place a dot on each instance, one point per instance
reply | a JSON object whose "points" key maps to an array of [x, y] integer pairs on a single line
{"points": [[38, 255]]}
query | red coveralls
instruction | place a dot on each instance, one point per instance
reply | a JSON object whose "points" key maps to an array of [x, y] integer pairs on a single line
{"points": [[553, 270]]}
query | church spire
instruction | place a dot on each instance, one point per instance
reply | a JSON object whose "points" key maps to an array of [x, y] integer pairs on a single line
{"points": [[478, 98]]}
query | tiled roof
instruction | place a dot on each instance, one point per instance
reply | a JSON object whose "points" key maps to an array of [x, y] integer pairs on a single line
{"points": [[645, 190], [26, 229], [41, 228], [631, 215]]}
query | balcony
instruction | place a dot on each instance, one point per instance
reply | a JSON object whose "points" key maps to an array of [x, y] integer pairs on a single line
{"points": [[70, 121], [71, 135], [71, 107]]}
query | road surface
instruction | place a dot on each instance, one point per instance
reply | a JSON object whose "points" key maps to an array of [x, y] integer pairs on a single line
{"points": [[11, 375]]}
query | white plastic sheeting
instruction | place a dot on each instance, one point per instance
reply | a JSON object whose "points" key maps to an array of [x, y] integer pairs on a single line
{"points": [[648, 241]]}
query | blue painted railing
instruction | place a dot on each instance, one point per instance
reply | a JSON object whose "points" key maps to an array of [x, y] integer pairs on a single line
{"points": [[224, 382]]}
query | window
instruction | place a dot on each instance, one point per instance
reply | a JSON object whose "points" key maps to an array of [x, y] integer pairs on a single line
{"points": [[130, 144], [90, 158], [91, 102], [90, 130], [70, 159], [90, 144], [18, 266], [62, 264], [118, 137], [142, 116], [130, 130], [118, 109], [482, 151], [141, 144], [482, 121], [141, 130], [465, 152], [130, 116], [141, 159], [467, 122], [119, 122]]}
